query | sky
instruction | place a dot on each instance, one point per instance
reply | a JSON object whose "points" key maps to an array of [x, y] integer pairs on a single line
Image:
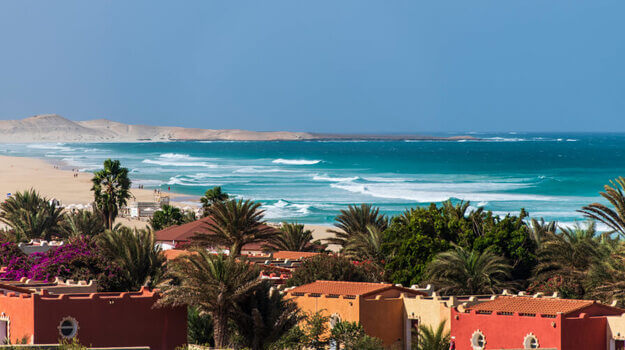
{"points": [[348, 66]]}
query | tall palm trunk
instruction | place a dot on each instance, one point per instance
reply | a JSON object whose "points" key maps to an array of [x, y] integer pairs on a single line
{"points": [[220, 330], [235, 249]]}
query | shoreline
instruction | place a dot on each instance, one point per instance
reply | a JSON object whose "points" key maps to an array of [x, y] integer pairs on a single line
{"points": [[56, 180], [23, 173]]}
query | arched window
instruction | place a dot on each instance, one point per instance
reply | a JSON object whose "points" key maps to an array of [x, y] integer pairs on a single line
{"points": [[68, 328], [530, 342], [478, 340]]}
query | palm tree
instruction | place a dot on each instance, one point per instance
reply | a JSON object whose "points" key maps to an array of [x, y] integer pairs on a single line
{"points": [[430, 339], [31, 216], [167, 216], [606, 278], [136, 253], [365, 246], [457, 211], [214, 284], [614, 218], [263, 316], [540, 230], [345, 334], [570, 254], [111, 190], [294, 237], [235, 224], [82, 223], [459, 271], [212, 196], [355, 220]]}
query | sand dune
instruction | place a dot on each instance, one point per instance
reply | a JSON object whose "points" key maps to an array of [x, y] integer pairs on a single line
{"points": [[54, 128]]}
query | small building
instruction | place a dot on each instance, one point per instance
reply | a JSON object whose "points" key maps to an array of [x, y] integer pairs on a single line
{"points": [[38, 246], [291, 255], [379, 307], [433, 310], [533, 322], [180, 236], [97, 319], [58, 286]]}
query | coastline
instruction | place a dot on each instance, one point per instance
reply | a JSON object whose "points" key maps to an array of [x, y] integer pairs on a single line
{"points": [[23, 173]]}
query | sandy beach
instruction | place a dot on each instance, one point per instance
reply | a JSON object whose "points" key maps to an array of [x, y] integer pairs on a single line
{"points": [[20, 173]]}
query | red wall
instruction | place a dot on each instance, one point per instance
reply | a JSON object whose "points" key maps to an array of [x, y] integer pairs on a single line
{"points": [[584, 332], [505, 331], [112, 319]]}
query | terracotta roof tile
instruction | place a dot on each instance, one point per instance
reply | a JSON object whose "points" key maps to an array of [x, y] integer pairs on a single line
{"points": [[184, 232], [347, 288], [287, 254], [172, 254], [530, 305]]}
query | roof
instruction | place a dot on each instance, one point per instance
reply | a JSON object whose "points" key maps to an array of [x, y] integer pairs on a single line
{"points": [[287, 254], [348, 288], [172, 254], [531, 305], [184, 232]]}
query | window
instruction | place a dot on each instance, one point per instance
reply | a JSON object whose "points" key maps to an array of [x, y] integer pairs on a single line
{"points": [[478, 341], [68, 327], [4, 330], [530, 342]]}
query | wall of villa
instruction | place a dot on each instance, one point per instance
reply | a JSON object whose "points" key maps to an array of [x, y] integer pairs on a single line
{"points": [[112, 319], [505, 331]]}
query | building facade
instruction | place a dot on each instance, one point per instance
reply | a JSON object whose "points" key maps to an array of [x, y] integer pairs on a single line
{"points": [[526, 322], [96, 319], [379, 307]]}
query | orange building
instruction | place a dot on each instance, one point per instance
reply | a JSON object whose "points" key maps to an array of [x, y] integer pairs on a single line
{"points": [[96, 319], [379, 307]]}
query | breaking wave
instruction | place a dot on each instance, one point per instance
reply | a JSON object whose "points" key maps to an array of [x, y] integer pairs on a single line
{"points": [[295, 161]]}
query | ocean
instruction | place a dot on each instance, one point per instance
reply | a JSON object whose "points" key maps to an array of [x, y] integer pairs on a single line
{"points": [[550, 175]]}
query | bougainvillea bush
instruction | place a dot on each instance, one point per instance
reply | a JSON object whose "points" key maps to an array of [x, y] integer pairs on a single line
{"points": [[78, 259], [8, 251]]}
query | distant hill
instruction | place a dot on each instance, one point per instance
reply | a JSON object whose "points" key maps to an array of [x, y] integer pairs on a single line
{"points": [[54, 128]]}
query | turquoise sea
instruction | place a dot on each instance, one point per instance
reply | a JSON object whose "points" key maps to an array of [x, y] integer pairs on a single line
{"points": [[550, 175]]}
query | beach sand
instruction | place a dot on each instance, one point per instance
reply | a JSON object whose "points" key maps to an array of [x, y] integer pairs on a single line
{"points": [[20, 174]]}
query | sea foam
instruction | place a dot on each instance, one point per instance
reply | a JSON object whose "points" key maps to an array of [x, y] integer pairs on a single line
{"points": [[295, 161]]}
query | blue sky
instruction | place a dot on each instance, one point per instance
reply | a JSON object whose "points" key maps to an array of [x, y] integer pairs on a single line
{"points": [[326, 66]]}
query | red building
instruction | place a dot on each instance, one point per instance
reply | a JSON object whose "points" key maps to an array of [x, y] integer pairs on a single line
{"points": [[525, 322], [96, 319]]}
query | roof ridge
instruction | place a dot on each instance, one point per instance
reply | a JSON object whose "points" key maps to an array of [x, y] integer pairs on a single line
{"points": [[376, 283]]}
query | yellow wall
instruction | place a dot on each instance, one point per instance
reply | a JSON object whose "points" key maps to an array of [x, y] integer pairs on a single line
{"points": [[380, 317]]}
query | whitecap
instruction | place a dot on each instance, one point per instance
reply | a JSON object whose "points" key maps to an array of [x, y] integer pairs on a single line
{"points": [[285, 209], [295, 161], [174, 163], [182, 181], [504, 139], [423, 193], [174, 156], [56, 146], [259, 169], [334, 179]]}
